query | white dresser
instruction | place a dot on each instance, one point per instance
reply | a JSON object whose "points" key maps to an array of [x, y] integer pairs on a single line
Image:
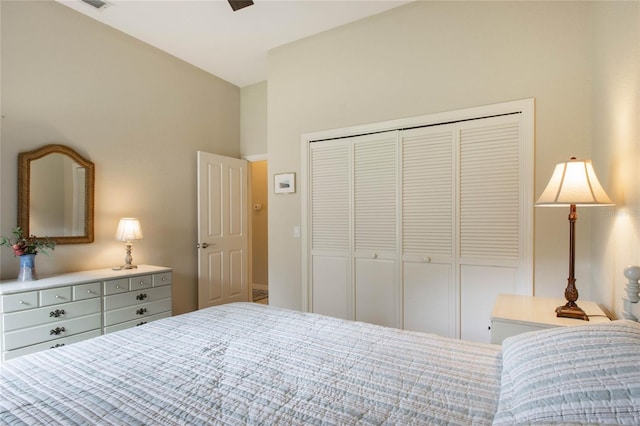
{"points": [[62, 309]]}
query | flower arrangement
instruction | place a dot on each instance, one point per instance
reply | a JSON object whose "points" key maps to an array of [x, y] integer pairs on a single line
{"points": [[27, 245]]}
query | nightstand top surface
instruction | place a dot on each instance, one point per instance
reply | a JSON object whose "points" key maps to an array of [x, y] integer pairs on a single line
{"points": [[541, 310]]}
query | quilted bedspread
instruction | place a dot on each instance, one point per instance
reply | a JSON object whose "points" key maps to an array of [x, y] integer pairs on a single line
{"points": [[254, 364]]}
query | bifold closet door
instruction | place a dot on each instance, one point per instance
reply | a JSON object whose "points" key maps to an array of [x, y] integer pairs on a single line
{"points": [[330, 198], [428, 206], [490, 218], [375, 210]]}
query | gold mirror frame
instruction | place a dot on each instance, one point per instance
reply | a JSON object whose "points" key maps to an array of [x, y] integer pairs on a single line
{"points": [[24, 191]]}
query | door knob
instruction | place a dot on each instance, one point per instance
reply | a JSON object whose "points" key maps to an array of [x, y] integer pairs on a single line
{"points": [[204, 245]]}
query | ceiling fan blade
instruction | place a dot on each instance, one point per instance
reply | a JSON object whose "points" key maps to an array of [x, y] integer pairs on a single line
{"points": [[239, 4]]}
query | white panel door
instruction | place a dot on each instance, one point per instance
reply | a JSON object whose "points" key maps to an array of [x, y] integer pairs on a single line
{"points": [[222, 230]]}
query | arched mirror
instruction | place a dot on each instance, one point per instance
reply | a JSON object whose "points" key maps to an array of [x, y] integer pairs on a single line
{"points": [[55, 194]]}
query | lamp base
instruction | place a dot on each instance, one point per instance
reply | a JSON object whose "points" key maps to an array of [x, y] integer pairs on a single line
{"points": [[571, 310], [128, 266]]}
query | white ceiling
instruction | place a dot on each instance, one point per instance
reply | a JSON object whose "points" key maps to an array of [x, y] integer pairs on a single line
{"points": [[230, 45]]}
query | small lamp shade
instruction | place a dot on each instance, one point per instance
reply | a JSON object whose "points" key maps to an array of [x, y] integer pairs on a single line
{"points": [[129, 229], [574, 182]]}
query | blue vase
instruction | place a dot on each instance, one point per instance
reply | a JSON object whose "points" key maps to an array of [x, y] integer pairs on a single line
{"points": [[27, 268]]}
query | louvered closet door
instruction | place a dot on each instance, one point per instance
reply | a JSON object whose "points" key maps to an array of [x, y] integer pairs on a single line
{"points": [[330, 196], [490, 243], [376, 228], [428, 193]]}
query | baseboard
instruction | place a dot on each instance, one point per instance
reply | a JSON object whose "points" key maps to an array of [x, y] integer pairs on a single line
{"points": [[264, 287]]}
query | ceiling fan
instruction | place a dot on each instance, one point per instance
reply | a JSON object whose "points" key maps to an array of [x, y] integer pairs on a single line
{"points": [[239, 4], [235, 4]]}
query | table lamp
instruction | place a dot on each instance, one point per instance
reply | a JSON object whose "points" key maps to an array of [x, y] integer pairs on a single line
{"points": [[572, 184], [129, 229]]}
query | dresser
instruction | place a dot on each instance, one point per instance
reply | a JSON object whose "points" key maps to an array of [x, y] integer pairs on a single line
{"points": [[514, 314], [67, 308]]}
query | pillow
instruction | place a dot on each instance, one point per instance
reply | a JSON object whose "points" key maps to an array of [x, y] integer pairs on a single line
{"points": [[581, 374]]}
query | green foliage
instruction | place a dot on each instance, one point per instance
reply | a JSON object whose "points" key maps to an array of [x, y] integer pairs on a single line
{"points": [[27, 245]]}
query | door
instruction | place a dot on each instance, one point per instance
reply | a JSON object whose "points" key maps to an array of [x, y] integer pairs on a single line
{"points": [[222, 230]]}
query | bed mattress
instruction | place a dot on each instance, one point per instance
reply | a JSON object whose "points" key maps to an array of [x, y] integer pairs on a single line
{"points": [[248, 363]]}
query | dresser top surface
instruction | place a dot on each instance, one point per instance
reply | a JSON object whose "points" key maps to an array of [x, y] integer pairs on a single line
{"points": [[541, 310], [80, 277]]}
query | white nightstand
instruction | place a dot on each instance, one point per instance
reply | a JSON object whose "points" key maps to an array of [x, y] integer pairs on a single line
{"points": [[514, 314]]}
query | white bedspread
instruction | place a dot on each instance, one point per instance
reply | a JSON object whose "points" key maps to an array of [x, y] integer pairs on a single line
{"points": [[253, 364]]}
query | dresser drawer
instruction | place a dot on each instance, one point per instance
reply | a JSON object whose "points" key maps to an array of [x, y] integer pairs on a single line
{"points": [[50, 315], [86, 291], [161, 279], [54, 296], [133, 312], [116, 286], [44, 333], [131, 298], [19, 302], [50, 345], [137, 322], [140, 282]]}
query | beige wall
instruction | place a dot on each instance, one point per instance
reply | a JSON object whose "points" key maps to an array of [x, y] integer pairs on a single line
{"points": [[429, 57], [616, 146], [259, 223], [139, 114], [253, 119]]}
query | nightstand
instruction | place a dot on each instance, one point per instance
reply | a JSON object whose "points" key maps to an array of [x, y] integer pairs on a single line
{"points": [[514, 314]]}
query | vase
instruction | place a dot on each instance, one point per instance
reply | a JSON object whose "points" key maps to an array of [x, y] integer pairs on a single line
{"points": [[27, 268]]}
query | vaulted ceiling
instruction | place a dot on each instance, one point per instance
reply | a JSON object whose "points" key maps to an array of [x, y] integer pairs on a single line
{"points": [[231, 45]]}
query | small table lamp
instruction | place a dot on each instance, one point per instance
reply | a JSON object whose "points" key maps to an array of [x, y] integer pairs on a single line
{"points": [[129, 229], [572, 184]]}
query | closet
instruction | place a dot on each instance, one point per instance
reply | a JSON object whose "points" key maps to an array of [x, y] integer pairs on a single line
{"points": [[421, 226]]}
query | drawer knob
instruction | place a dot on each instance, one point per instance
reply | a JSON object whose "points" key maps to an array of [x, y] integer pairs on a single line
{"points": [[89, 292], [57, 331], [21, 302], [141, 282], [57, 345], [141, 296], [57, 313], [141, 311], [164, 278], [118, 287]]}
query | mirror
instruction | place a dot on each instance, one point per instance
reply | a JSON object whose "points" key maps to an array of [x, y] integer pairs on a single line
{"points": [[55, 194]]}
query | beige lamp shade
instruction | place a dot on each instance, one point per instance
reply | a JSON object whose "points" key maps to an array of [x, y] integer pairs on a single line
{"points": [[129, 229], [574, 183]]}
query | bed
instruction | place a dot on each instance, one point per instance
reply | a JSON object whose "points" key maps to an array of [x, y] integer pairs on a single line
{"points": [[247, 363]]}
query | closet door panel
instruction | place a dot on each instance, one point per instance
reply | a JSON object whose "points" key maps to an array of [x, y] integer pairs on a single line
{"points": [[375, 195], [375, 189], [428, 298], [376, 293], [480, 286], [489, 218], [332, 283], [428, 203], [330, 221], [428, 193]]}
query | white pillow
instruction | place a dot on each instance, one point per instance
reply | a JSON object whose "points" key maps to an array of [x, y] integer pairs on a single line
{"points": [[581, 374]]}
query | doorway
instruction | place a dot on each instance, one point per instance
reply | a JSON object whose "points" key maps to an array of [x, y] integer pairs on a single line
{"points": [[259, 231]]}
